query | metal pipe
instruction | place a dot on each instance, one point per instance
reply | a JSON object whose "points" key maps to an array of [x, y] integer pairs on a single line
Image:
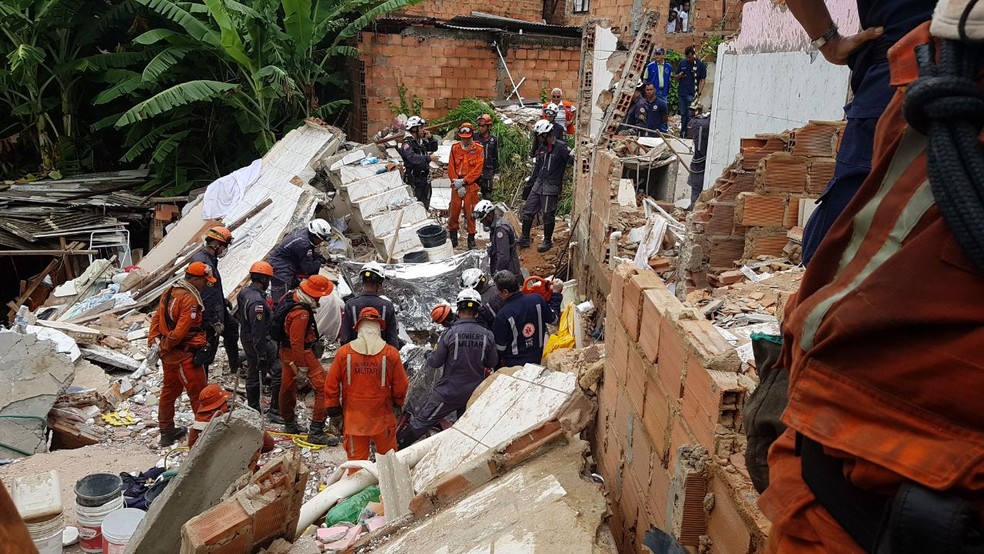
{"points": [[509, 74]]}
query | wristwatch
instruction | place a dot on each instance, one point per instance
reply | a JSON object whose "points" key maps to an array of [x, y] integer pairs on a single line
{"points": [[826, 37]]}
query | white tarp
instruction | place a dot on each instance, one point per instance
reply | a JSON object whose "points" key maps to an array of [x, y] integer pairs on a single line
{"points": [[223, 194]]}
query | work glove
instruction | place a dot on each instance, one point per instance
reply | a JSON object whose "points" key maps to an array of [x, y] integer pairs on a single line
{"points": [[218, 327], [302, 378], [763, 410], [435, 158]]}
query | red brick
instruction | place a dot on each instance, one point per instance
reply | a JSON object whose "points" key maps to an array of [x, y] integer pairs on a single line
{"points": [[821, 172], [622, 273], [632, 300], [791, 217], [817, 139], [617, 349], [623, 414], [656, 416], [764, 243], [755, 210], [680, 435], [704, 341], [754, 149], [649, 330], [635, 382], [726, 526], [219, 526], [642, 455], [657, 495], [672, 360], [722, 220], [725, 251], [782, 173]]}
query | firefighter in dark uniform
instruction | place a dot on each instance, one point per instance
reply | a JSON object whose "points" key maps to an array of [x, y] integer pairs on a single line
{"points": [[371, 297], [297, 257], [490, 147], [417, 152], [219, 322], [261, 352]]}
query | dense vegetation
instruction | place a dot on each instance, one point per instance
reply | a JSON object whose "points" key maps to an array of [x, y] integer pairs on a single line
{"points": [[193, 89]]}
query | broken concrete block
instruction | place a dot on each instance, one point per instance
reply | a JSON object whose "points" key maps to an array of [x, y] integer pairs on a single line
{"points": [[374, 184], [378, 202], [34, 375], [102, 355], [384, 223], [395, 487], [221, 456], [408, 241]]}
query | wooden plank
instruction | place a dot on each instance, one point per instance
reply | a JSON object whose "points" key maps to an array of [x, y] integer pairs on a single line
{"points": [[48, 252]]}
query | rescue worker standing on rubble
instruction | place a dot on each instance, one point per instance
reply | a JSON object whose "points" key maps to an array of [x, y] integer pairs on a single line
{"points": [[552, 159], [638, 114], [502, 238], [698, 130], [490, 150], [373, 276], [219, 323], [417, 152], [550, 114], [566, 109], [520, 327], [365, 383], [254, 332], [176, 329], [473, 278], [297, 257], [882, 440], [301, 365], [465, 167], [467, 353]]}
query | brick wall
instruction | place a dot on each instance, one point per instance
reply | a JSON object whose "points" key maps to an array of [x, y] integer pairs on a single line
{"points": [[527, 10], [443, 67], [668, 428]]}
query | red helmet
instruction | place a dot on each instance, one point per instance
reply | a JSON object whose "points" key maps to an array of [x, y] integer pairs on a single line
{"points": [[261, 268]]}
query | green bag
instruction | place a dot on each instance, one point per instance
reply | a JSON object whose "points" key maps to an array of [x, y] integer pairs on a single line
{"points": [[351, 507]]}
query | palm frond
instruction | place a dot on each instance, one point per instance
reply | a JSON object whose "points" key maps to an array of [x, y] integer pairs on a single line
{"points": [[174, 97]]}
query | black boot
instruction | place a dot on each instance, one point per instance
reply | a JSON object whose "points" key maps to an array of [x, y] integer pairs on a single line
{"points": [[548, 229], [454, 238], [291, 426], [524, 240], [317, 435], [171, 436], [471, 241]]}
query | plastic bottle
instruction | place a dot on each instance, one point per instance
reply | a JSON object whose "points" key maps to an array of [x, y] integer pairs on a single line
{"points": [[369, 160]]}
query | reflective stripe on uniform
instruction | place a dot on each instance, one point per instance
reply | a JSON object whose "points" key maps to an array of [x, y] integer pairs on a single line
{"points": [[455, 355], [539, 320], [382, 379], [348, 368], [911, 146], [515, 341]]}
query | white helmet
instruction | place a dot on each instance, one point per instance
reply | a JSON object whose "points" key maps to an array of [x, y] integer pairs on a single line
{"points": [[415, 121], [469, 299], [372, 269], [471, 278], [551, 109], [482, 209], [542, 127], [320, 229]]}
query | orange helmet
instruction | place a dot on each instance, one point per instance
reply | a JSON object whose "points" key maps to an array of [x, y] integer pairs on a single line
{"points": [[484, 119], [466, 130], [370, 314], [261, 268], [212, 397], [199, 269], [440, 313], [317, 286], [220, 234]]}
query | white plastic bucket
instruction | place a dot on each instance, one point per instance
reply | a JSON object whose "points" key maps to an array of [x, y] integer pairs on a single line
{"points": [[439, 253], [90, 521], [118, 527], [47, 534]]}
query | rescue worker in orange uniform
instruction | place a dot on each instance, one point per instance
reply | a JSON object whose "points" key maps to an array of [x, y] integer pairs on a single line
{"points": [[214, 401], [299, 364], [365, 383], [465, 168], [176, 329], [884, 445]]}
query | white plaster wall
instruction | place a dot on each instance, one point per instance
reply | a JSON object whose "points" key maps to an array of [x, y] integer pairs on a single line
{"points": [[768, 79], [604, 46]]}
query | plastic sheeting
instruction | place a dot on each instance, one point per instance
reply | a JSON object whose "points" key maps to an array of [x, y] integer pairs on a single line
{"points": [[416, 288]]}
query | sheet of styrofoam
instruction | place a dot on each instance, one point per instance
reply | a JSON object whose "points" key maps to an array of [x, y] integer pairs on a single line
{"points": [[371, 204], [444, 152], [384, 223], [287, 168], [352, 173], [510, 407], [374, 184]]}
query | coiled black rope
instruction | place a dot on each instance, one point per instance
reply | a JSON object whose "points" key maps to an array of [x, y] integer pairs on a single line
{"points": [[947, 106]]}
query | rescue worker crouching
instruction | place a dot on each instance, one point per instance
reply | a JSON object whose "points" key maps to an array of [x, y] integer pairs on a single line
{"points": [[372, 275], [520, 326], [214, 401], [502, 239], [443, 315], [467, 353], [297, 257], [473, 278], [299, 363], [176, 328], [219, 322], [365, 383], [417, 152], [254, 314]]}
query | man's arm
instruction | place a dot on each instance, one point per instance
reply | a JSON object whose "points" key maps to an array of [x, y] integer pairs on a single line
{"points": [[297, 331], [491, 355], [430, 143], [400, 382], [438, 357], [495, 157], [392, 328], [815, 19], [453, 171], [186, 318], [333, 382]]}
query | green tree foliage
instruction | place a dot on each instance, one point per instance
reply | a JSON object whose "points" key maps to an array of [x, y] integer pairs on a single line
{"points": [[192, 88]]}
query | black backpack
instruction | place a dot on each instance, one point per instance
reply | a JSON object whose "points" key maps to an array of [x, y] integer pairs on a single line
{"points": [[287, 305]]}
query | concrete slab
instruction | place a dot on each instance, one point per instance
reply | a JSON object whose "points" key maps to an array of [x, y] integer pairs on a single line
{"points": [[34, 374], [352, 173], [384, 223], [374, 184], [220, 457], [103, 355], [408, 241], [371, 204], [395, 487], [542, 506], [511, 406]]}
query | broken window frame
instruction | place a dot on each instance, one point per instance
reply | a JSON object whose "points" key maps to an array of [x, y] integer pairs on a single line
{"points": [[580, 6]]}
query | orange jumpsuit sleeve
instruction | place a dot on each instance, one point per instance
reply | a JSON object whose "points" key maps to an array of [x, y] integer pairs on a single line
{"points": [[189, 313], [453, 161], [333, 381], [297, 328], [155, 331], [400, 381], [476, 164]]}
